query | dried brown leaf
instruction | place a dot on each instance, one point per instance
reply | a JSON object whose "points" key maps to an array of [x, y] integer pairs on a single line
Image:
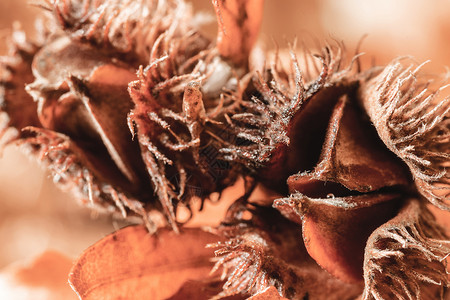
{"points": [[133, 264], [202, 290]]}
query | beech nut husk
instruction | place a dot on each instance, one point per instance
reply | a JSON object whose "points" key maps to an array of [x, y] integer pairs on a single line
{"points": [[131, 107]]}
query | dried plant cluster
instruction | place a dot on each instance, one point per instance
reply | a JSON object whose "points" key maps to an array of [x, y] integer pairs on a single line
{"points": [[130, 106]]}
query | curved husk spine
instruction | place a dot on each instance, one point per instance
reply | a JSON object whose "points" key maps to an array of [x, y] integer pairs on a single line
{"points": [[406, 257]]}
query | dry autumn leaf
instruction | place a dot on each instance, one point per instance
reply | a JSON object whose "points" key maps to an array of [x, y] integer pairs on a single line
{"points": [[202, 290], [131, 264]]}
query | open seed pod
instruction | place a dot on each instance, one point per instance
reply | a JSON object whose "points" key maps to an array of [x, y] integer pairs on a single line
{"points": [[127, 110], [357, 185], [360, 144]]}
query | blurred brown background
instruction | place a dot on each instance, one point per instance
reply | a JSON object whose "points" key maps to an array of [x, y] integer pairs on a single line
{"points": [[35, 216]]}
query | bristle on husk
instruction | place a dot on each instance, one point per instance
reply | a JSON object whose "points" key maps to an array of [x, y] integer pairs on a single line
{"points": [[406, 257], [413, 121], [122, 26]]}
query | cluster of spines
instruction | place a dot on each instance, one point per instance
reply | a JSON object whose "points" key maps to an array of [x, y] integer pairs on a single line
{"points": [[264, 121], [63, 158], [127, 26], [406, 257], [414, 123]]}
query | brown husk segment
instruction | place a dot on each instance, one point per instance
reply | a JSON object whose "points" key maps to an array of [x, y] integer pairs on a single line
{"points": [[81, 131], [268, 251], [413, 121], [335, 230], [352, 159], [406, 257], [78, 97], [107, 104], [353, 156], [85, 139]]}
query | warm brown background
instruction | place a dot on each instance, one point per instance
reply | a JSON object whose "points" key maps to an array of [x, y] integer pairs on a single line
{"points": [[35, 216]]}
